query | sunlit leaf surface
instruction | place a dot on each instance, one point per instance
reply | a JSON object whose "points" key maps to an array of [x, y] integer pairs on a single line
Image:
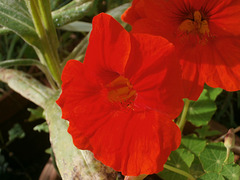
{"points": [[15, 16]]}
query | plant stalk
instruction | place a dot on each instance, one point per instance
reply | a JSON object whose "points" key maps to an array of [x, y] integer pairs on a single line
{"points": [[227, 155], [41, 17], [179, 171], [183, 119]]}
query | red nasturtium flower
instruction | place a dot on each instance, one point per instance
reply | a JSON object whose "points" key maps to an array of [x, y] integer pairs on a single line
{"points": [[121, 101], [206, 34]]}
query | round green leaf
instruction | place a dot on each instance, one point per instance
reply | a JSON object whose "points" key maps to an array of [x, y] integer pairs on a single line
{"points": [[213, 176], [213, 156], [200, 112], [181, 159], [193, 144], [231, 171]]}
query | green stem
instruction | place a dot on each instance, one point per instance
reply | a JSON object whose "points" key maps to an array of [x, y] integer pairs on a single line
{"points": [[183, 119], [179, 171], [45, 32], [46, 71], [45, 8], [227, 155]]}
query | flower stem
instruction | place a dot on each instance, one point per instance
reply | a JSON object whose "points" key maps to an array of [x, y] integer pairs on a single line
{"points": [[41, 16], [227, 155], [183, 119], [179, 171]]}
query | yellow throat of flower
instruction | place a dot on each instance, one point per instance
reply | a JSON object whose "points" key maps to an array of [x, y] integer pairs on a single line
{"points": [[121, 91], [197, 26]]}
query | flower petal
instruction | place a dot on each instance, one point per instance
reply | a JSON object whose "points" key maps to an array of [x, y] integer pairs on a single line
{"points": [[77, 89], [130, 142], [134, 12], [152, 17], [203, 60], [108, 49], [227, 17], [222, 68], [190, 60], [192, 83], [156, 76], [133, 142]]}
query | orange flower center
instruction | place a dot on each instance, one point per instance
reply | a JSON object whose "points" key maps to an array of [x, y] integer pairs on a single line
{"points": [[121, 91], [198, 25]]}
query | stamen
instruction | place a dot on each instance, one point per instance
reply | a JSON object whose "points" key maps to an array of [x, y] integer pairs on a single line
{"points": [[121, 91], [197, 26], [197, 17]]}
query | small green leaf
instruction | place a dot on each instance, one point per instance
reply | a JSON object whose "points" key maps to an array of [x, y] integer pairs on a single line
{"points": [[186, 156], [35, 113], [204, 132], [231, 171], [48, 151], [193, 144], [181, 159], [65, 15], [200, 112], [78, 26], [42, 127], [213, 156], [212, 175], [213, 92], [15, 132], [26, 85]]}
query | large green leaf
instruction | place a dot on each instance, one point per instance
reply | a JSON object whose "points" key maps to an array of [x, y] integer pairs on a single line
{"points": [[231, 171], [213, 156], [26, 85], [14, 16], [193, 144], [200, 112], [72, 162], [212, 175], [204, 132], [181, 159]]}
